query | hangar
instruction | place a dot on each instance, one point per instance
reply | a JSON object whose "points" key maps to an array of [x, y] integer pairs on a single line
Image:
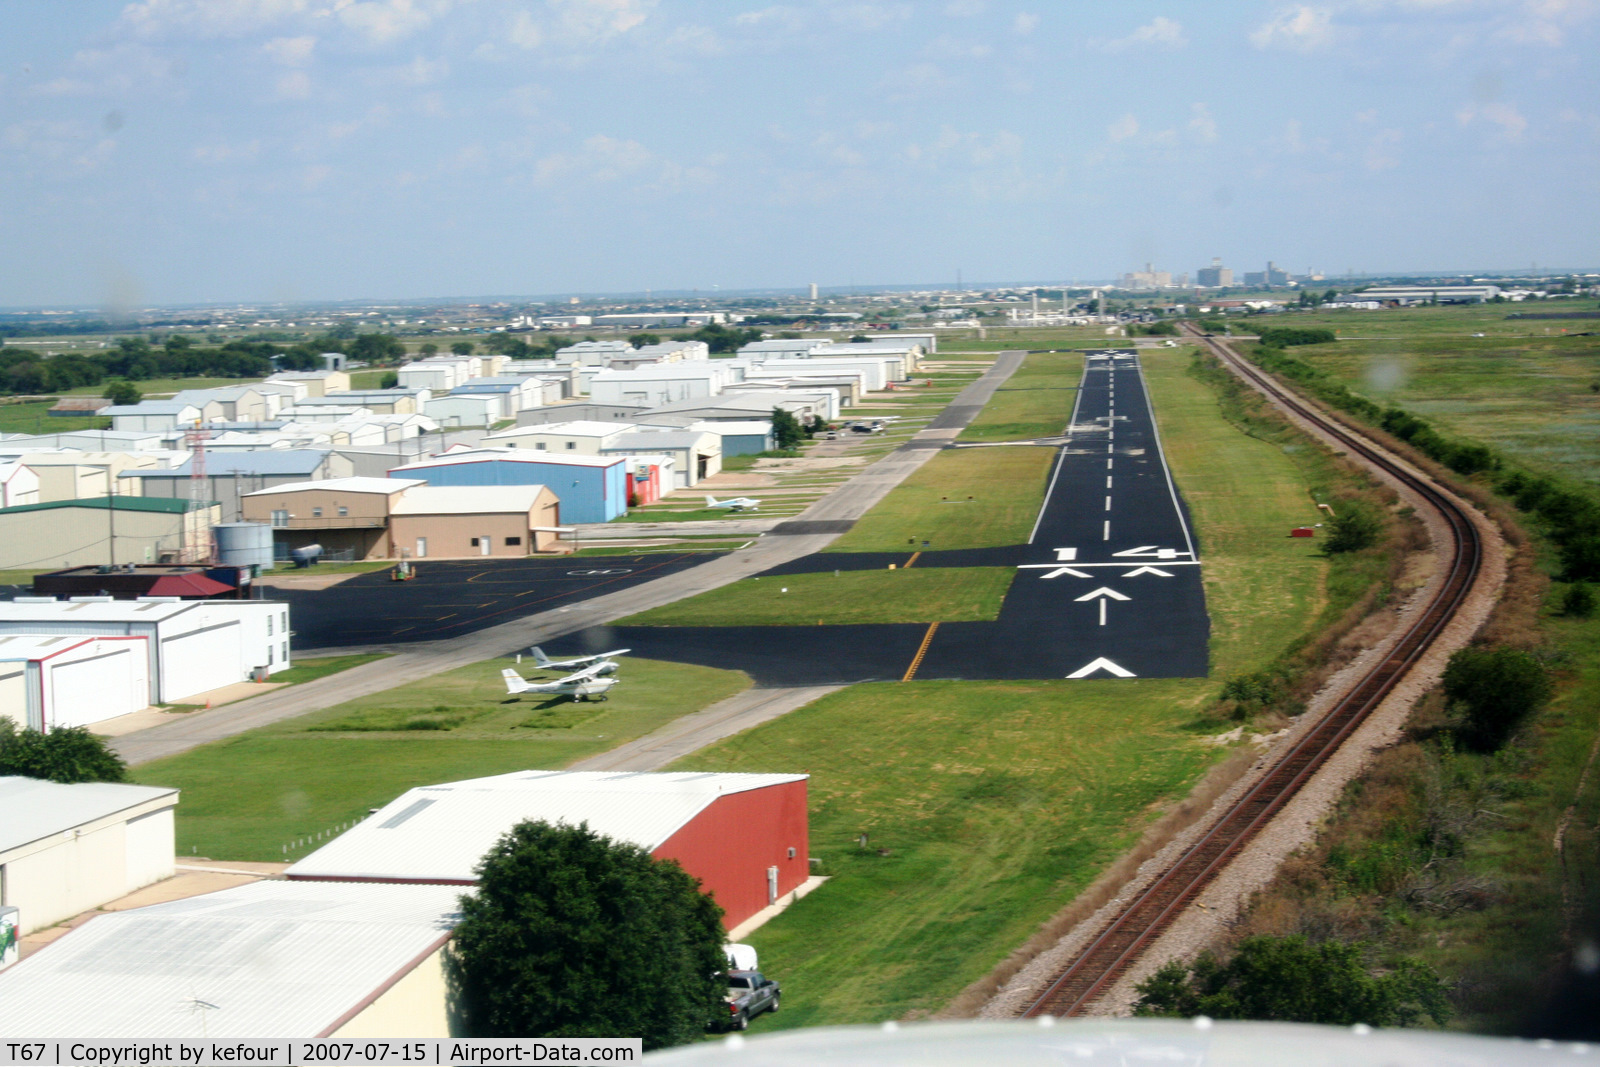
{"points": [[744, 836], [67, 848], [269, 960], [50, 680], [193, 645]]}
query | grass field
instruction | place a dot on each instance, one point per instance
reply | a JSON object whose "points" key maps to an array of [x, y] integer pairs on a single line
{"points": [[247, 797], [996, 802], [1523, 387], [971, 498], [1036, 401], [166, 386], [921, 594], [307, 670], [34, 417]]}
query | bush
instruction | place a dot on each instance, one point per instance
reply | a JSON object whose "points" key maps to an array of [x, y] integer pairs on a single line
{"points": [[1352, 530], [122, 392], [571, 934], [1288, 979], [66, 754], [1578, 601], [390, 380], [1495, 689], [1289, 336]]}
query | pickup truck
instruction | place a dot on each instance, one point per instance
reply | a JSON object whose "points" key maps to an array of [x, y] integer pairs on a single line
{"points": [[749, 994]]}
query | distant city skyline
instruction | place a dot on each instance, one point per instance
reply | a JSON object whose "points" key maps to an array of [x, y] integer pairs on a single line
{"points": [[163, 152]]}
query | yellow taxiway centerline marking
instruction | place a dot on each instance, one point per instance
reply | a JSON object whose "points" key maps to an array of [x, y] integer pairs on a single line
{"points": [[927, 639]]}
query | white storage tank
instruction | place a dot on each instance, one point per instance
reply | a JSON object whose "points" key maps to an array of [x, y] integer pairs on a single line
{"points": [[244, 544]]}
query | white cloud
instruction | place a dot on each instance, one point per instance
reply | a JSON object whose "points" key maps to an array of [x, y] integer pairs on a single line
{"points": [[1159, 32], [868, 17], [290, 51], [382, 21], [293, 85], [1301, 29], [1124, 128], [777, 17], [525, 32], [611, 159], [1202, 124], [208, 18], [964, 9], [948, 47], [1383, 151], [599, 20], [1509, 119], [227, 153], [1025, 23]]}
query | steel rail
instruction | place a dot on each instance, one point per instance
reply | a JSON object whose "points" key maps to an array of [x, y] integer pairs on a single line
{"points": [[1120, 943]]}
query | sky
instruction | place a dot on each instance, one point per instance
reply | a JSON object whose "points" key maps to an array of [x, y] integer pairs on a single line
{"points": [[188, 151]]}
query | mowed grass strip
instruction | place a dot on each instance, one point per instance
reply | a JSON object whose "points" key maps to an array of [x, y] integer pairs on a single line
{"points": [[1036, 401], [987, 807], [933, 594], [248, 796], [961, 498], [990, 805]]}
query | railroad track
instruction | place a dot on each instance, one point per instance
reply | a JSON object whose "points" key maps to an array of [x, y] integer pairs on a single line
{"points": [[1116, 948]]}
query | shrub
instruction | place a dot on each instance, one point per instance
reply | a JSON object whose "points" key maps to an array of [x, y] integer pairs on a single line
{"points": [[1578, 601], [1495, 689], [65, 754], [1354, 529], [1288, 979], [1289, 336]]}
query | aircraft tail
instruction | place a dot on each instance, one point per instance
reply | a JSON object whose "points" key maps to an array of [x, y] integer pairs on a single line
{"points": [[539, 657], [515, 683], [711, 501]]}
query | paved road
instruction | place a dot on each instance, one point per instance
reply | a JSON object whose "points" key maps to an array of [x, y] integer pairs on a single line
{"points": [[809, 532], [1108, 584]]}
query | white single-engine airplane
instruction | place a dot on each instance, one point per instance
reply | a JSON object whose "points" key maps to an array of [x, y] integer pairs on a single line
{"points": [[545, 663], [587, 684], [735, 503]]}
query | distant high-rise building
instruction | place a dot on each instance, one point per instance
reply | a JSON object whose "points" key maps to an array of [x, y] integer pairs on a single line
{"points": [[813, 292], [1215, 276], [1149, 278]]}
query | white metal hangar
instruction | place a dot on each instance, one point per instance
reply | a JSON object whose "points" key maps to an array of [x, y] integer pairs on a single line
{"points": [[67, 848], [51, 680]]}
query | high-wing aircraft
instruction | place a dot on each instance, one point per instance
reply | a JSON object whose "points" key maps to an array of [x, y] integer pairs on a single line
{"points": [[586, 684], [545, 663], [736, 503]]}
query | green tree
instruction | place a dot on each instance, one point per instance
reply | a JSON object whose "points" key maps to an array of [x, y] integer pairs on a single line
{"points": [[639, 340], [1578, 601], [428, 349], [786, 429], [390, 380], [1356, 528], [65, 754], [571, 934], [1495, 688], [122, 391], [376, 348], [462, 348], [1288, 979]]}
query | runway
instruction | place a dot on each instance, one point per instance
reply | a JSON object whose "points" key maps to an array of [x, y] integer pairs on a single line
{"points": [[1108, 584]]}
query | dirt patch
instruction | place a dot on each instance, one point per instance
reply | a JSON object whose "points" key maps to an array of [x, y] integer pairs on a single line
{"points": [[307, 581]]}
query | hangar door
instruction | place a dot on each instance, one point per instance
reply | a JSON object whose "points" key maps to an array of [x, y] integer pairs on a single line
{"points": [[89, 690], [196, 662]]}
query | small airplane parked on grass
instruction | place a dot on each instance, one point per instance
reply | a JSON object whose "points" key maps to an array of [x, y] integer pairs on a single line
{"points": [[545, 663], [735, 503], [587, 684]]}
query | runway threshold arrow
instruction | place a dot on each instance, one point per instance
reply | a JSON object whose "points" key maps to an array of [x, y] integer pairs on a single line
{"points": [[1148, 570], [1103, 591], [1101, 664]]}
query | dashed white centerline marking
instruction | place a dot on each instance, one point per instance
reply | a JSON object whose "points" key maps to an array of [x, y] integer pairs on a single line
{"points": [[1106, 536], [1102, 611], [1108, 464], [1108, 503], [1108, 481]]}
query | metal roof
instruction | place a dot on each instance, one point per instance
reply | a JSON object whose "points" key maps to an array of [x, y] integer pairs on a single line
{"points": [[576, 428], [36, 809], [267, 960], [120, 503], [508, 455], [466, 499], [343, 485], [647, 439], [123, 611], [226, 464], [440, 832]]}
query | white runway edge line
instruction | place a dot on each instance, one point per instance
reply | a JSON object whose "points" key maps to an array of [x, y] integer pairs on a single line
{"points": [[1061, 453], [1161, 454]]}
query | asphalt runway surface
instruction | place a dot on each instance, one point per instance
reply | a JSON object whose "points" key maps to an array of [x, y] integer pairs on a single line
{"points": [[1108, 584], [449, 598]]}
